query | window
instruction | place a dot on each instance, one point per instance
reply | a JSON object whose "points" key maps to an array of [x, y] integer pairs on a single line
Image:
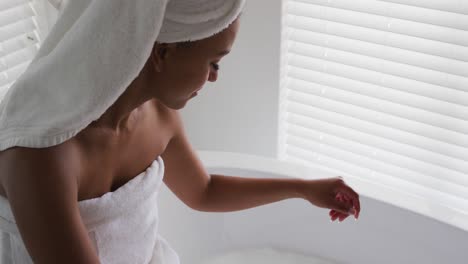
{"points": [[377, 91], [23, 24]]}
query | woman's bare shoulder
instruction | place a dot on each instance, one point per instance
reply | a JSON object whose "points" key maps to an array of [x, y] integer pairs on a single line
{"points": [[42, 190], [38, 162]]}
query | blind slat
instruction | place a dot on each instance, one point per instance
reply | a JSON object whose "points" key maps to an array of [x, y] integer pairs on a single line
{"points": [[400, 11], [12, 74], [354, 115], [438, 48], [381, 148], [16, 14], [383, 125], [413, 107], [381, 74], [18, 57], [18, 43], [7, 4], [333, 59], [304, 42], [381, 23], [456, 6], [396, 93], [17, 29]]}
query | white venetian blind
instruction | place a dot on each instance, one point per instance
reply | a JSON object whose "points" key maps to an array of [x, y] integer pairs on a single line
{"points": [[19, 40], [378, 91]]}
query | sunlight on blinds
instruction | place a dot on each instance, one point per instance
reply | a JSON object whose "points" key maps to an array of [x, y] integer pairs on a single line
{"points": [[377, 91]]}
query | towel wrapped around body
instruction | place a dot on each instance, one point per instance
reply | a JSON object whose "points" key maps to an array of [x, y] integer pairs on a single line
{"points": [[123, 225]]}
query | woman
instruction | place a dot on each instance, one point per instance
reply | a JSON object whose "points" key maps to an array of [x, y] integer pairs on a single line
{"points": [[57, 182]]}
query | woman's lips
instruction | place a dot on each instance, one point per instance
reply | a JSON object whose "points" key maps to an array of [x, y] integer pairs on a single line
{"points": [[195, 93]]}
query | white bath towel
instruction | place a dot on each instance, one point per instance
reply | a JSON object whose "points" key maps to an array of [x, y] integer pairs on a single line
{"points": [[91, 55], [123, 225]]}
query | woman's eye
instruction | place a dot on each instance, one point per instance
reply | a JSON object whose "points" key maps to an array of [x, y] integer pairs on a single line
{"points": [[215, 66]]}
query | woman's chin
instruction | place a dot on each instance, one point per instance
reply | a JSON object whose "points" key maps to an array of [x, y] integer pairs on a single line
{"points": [[175, 105], [180, 104]]}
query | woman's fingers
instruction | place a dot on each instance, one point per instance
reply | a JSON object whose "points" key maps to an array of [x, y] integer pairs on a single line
{"points": [[349, 196], [342, 217], [344, 202], [353, 198], [351, 202], [342, 205], [356, 206], [334, 215]]}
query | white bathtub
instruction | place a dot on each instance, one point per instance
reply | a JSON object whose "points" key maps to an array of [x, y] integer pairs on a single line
{"points": [[383, 234]]}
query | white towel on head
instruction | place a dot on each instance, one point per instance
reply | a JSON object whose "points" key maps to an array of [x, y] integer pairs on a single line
{"points": [[92, 54]]}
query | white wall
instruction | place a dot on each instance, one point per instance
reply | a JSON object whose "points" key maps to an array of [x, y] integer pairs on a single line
{"points": [[239, 112]]}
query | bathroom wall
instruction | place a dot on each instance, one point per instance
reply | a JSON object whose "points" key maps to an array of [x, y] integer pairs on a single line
{"points": [[239, 112]]}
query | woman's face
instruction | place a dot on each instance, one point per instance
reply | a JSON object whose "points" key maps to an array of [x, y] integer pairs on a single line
{"points": [[181, 71]]}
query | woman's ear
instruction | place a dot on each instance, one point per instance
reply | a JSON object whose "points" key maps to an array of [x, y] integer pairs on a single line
{"points": [[158, 55]]}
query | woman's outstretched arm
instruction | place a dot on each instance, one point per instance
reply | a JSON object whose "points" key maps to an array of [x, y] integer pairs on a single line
{"points": [[41, 186], [231, 193], [191, 183]]}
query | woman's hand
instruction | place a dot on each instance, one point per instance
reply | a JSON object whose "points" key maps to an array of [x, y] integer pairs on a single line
{"points": [[334, 194]]}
